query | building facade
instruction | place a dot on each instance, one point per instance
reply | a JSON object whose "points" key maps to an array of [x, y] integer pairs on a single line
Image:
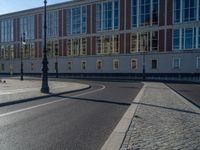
{"points": [[160, 38]]}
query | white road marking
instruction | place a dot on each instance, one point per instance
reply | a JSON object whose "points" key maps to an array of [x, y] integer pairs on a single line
{"points": [[44, 104]]}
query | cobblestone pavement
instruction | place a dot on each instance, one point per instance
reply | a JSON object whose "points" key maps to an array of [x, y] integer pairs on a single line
{"points": [[163, 121], [14, 89]]}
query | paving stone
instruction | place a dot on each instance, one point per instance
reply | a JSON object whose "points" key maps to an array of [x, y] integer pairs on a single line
{"points": [[164, 122]]}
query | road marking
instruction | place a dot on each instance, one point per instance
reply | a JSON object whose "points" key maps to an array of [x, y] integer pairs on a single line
{"points": [[44, 104]]}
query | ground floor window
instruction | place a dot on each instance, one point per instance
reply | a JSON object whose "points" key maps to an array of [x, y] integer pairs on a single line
{"points": [[83, 65], [154, 64], [115, 64], [2, 67], [176, 63], [198, 63], [99, 64], [69, 65], [134, 64]]}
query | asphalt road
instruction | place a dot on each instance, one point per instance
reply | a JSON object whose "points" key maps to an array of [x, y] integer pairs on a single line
{"points": [[77, 121], [188, 90]]}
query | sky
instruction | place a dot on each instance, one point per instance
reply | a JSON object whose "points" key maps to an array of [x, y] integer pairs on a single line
{"points": [[8, 6]]}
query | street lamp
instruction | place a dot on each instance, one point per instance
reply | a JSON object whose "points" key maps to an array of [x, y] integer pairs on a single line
{"points": [[45, 86], [23, 42], [144, 59], [56, 63]]}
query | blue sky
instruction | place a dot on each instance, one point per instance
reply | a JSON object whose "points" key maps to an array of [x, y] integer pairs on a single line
{"points": [[7, 6]]}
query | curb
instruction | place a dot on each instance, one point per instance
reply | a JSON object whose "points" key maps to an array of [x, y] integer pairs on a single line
{"points": [[177, 92], [40, 97], [115, 140], [186, 100]]}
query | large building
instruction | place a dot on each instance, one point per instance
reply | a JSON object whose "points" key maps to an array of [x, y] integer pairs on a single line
{"points": [[160, 38]]}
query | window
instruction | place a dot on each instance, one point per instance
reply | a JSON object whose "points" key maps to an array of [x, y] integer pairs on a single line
{"points": [[7, 51], [134, 63], [176, 63], [185, 10], [84, 46], [185, 39], [99, 65], [115, 64], [198, 63], [7, 30], [99, 45], [176, 39], [27, 27], [52, 24], [154, 41], [83, 65], [199, 37], [134, 13], [144, 42], [133, 42], [32, 66], [188, 38], [189, 10], [177, 9], [2, 67], [69, 21], [147, 11], [69, 65], [116, 44], [154, 64], [51, 48], [107, 15], [77, 47], [77, 20]]}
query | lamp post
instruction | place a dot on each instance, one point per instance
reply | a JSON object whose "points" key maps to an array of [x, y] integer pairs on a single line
{"points": [[144, 59], [22, 48], [45, 86], [56, 63]]}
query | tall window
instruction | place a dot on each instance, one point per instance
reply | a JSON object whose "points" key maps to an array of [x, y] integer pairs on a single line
{"points": [[107, 15], [99, 64], [7, 30], [134, 40], [83, 65], [134, 13], [185, 10], [154, 41], [147, 11], [185, 39], [115, 64], [77, 20], [176, 39], [107, 44], [51, 48], [52, 24], [154, 64], [27, 27], [134, 63], [7, 52], [177, 9], [77, 47]]}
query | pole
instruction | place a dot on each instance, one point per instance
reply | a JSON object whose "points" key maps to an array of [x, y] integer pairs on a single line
{"points": [[45, 87], [56, 64], [22, 48]]}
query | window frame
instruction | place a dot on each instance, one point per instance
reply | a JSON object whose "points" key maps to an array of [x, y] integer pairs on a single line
{"points": [[114, 63], [179, 63], [136, 64]]}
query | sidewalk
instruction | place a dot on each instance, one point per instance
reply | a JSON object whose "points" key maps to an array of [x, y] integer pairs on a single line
{"points": [[15, 90], [163, 120]]}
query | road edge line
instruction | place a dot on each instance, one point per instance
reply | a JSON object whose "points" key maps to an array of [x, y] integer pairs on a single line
{"points": [[116, 138]]}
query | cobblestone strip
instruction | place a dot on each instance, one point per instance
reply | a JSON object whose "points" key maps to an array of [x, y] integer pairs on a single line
{"points": [[163, 121]]}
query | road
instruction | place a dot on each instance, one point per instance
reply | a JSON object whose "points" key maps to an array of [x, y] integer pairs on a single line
{"points": [[188, 90], [77, 121]]}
